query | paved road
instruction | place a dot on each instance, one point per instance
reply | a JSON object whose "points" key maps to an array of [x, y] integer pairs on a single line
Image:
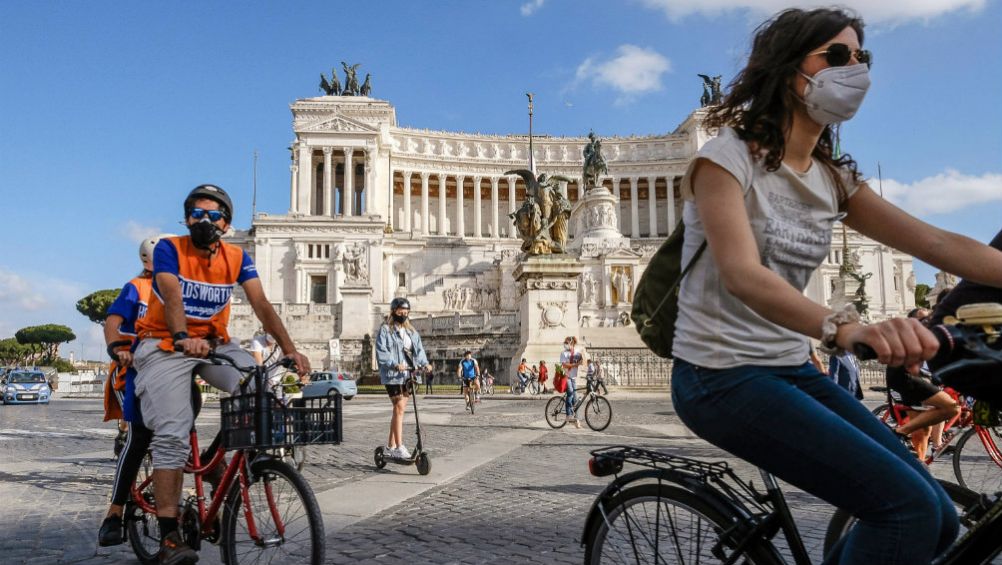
{"points": [[504, 487]]}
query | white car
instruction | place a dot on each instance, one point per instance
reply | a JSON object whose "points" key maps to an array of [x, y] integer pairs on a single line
{"points": [[26, 387]]}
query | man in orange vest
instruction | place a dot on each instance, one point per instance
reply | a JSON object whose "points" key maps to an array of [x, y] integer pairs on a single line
{"points": [[193, 280]]}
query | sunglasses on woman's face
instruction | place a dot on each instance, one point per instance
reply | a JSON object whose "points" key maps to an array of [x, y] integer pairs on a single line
{"points": [[839, 55]]}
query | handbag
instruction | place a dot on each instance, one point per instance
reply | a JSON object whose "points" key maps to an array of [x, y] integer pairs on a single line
{"points": [[655, 300]]}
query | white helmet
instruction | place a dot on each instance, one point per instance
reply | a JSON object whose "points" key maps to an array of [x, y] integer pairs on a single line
{"points": [[146, 248]]}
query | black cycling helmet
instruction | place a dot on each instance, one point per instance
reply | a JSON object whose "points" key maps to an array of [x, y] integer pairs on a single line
{"points": [[212, 192], [400, 302]]}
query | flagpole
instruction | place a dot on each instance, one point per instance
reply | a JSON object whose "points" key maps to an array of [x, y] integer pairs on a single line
{"points": [[532, 165]]}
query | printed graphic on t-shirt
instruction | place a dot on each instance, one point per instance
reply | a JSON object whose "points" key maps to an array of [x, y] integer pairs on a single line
{"points": [[203, 300], [795, 242]]}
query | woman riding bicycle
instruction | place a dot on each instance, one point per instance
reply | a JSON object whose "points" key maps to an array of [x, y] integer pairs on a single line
{"points": [[398, 350], [765, 194]]}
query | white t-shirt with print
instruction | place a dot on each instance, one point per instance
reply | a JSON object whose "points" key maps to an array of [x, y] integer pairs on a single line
{"points": [[791, 215]]}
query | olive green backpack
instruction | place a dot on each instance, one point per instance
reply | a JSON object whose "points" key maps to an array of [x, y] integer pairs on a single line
{"points": [[655, 301]]}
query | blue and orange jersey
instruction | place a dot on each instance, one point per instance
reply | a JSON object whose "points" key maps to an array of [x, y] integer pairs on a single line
{"points": [[131, 304], [206, 288]]}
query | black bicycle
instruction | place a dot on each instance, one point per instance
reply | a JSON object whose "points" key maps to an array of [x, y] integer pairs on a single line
{"points": [[597, 410], [676, 509]]}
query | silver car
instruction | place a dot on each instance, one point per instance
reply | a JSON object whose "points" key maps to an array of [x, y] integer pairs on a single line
{"points": [[25, 387], [323, 382]]}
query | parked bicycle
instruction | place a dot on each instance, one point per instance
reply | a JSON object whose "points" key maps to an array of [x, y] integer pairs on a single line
{"points": [[597, 410], [681, 510], [262, 509]]}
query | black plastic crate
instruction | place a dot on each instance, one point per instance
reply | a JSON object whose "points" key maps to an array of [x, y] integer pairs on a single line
{"points": [[304, 421]]}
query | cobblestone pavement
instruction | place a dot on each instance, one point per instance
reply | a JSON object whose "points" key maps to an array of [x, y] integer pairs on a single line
{"points": [[526, 505]]}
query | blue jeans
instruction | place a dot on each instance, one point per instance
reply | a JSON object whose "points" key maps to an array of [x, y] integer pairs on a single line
{"points": [[570, 397], [799, 425]]}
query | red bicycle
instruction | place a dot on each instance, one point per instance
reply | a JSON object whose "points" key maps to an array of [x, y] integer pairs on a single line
{"points": [[262, 510], [977, 459]]}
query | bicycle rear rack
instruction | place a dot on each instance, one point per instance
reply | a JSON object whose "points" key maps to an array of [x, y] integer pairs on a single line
{"points": [[716, 474]]}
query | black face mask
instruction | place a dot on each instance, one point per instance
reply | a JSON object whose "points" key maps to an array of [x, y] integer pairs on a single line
{"points": [[204, 234], [398, 318]]}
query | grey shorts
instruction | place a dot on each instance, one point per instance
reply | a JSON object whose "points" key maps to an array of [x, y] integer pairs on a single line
{"points": [[163, 386]]}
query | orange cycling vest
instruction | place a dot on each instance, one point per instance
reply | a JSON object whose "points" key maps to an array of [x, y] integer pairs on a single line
{"points": [[206, 288], [131, 306]]}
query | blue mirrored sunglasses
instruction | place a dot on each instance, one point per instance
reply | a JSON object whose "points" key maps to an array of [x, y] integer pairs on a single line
{"points": [[214, 215]]}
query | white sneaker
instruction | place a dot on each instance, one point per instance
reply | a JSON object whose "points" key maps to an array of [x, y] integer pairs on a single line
{"points": [[389, 451], [402, 453]]}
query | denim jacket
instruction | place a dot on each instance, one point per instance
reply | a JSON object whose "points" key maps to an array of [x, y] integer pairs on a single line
{"points": [[390, 353]]}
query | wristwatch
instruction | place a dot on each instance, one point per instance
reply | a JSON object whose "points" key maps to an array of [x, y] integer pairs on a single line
{"points": [[180, 336]]}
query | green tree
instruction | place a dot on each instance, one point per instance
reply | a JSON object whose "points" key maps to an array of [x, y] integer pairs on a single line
{"points": [[13, 353], [63, 366], [921, 291], [45, 340], [95, 305]]}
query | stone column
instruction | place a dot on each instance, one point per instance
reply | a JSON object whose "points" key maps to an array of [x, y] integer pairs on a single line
{"points": [[407, 203], [634, 208], [460, 220], [477, 214], [670, 202], [495, 231], [652, 204], [328, 192], [563, 188], [581, 188], [305, 177], [619, 209], [349, 183], [294, 189], [370, 184], [442, 177], [511, 207], [425, 220]]}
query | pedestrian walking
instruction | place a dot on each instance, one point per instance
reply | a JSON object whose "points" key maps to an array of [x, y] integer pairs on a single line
{"points": [[429, 378]]}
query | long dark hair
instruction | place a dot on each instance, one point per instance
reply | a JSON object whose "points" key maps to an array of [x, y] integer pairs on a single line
{"points": [[759, 102]]}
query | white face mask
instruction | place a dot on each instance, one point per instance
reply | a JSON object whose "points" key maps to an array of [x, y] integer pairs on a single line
{"points": [[834, 95]]}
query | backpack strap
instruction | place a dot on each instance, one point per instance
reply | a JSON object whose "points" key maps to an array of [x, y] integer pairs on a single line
{"points": [[678, 281]]}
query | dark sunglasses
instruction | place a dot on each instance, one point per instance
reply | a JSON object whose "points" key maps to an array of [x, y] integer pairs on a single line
{"points": [[839, 55], [214, 215]]}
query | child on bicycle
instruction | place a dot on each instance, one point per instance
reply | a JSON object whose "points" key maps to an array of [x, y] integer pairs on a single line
{"points": [[932, 405], [764, 195]]}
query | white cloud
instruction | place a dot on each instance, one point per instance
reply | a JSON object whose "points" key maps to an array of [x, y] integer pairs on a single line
{"points": [[946, 192], [531, 6], [884, 11], [138, 232], [633, 71], [17, 292]]}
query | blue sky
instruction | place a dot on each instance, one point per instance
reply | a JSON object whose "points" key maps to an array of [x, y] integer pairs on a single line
{"points": [[111, 112]]}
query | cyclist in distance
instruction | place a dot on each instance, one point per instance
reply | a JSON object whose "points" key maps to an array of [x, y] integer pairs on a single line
{"points": [[469, 374], [193, 280], [916, 388], [119, 402], [765, 194], [570, 360], [398, 350]]}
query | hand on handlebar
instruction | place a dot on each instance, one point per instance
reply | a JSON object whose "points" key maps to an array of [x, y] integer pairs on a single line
{"points": [[299, 363], [193, 347], [894, 342]]}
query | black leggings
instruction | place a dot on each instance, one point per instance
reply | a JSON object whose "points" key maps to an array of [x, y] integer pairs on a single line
{"points": [[137, 443]]}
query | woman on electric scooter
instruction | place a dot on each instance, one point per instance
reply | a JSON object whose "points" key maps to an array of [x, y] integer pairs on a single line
{"points": [[398, 349]]}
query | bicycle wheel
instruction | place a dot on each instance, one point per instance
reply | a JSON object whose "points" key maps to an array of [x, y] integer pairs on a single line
{"points": [[883, 413], [977, 461], [471, 401], [286, 519], [555, 412], [598, 413], [663, 523], [842, 521], [143, 528]]}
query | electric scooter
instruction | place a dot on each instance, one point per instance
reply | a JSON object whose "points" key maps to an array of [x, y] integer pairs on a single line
{"points": [[419, 457]]}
